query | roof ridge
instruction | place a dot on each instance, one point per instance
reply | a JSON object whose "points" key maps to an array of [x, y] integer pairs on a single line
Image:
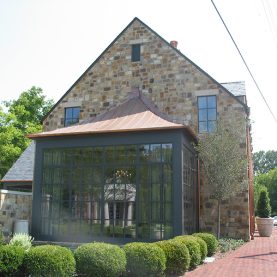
{"points": [[133, 95]]}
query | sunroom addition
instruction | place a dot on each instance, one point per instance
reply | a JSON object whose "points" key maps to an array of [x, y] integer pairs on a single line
{"points": [[128, 174]]}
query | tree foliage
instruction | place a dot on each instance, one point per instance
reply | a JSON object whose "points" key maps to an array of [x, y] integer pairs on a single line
{"points": [[264, 161], [257, 189], [224, 162], [269, 180], [23, 116]]}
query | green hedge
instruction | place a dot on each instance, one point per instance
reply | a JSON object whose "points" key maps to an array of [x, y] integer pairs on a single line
{"points": [[145, 259], [177, 256], [193, 247], [11, 259], [100, 260], [50, 260], [203, 247], [210, 240]]}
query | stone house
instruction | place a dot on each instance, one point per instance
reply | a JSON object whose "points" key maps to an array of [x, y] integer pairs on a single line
{"points": [[115, 161]]}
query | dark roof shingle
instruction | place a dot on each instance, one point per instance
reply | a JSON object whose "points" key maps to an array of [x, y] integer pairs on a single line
{"points": [[23, 168], [236, 88]]}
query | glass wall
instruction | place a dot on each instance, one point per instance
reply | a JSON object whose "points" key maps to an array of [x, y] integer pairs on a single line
{"points": [[189, 190], [113, 191]]}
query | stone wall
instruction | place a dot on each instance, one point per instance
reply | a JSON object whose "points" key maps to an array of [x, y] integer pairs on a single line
{"points": [[173, 83], [163, 75], [14, 205]]}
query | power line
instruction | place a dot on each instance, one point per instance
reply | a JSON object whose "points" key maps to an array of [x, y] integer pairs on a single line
{"points": [[257, 86]]}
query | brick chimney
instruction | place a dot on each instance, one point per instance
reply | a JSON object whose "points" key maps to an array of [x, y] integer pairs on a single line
{"points": [[174, 43]]}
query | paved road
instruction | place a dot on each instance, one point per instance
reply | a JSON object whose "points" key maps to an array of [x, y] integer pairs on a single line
{"points": [[257, 258]]}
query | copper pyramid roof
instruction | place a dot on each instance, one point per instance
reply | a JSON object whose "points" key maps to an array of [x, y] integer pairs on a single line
{"points": [[135, 114]]}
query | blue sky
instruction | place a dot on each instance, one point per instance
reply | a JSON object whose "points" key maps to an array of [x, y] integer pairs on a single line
{"points": [[50, 44]]}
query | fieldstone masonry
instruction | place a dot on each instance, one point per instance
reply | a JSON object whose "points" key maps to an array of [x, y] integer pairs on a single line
{"points": [[173, 83], [14, 205]]}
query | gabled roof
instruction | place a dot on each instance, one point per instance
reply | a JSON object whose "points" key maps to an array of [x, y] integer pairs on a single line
{"points": [[22, 170], [173, 48], [134, 115], [236, 88]]}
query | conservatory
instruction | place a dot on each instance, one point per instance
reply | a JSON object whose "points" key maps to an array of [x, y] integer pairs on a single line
{"points": [[128, 174]]}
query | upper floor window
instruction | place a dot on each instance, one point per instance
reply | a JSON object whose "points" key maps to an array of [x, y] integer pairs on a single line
{"points": [[72, 115], [135, 52], [206, 114]]}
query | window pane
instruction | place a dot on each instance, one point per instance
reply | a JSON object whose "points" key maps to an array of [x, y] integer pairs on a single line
{"points": [[130, 229], [144, 184], [144, 153], [212, 114], [203, 127], [155, 150], [202, 115], [131, 153], [97, 157], [156, 231], [96, 227], [212, 126], [120, 154], [168, 231], [68, 113], [75, 112], [167, 182], [109, 154], [135, 52], [167, 152], [144, 231], [211, 101], [156, 211], [202, 103]]}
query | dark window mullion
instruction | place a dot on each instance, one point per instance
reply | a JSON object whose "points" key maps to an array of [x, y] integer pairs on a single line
{"points": [[161, 199], [138, 180]]}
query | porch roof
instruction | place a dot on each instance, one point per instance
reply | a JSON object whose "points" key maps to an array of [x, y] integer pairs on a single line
{"points": [[135, 114]]}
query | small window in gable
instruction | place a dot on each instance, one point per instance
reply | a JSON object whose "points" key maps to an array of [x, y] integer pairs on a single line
{"points": [[71, 115], [135, 52], [207, 114]]}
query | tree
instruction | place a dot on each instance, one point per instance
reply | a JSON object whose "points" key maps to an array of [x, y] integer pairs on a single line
{"points": [[264, 161], [269, 180], [257, 189], [23, 117], [224, 163], [263, 205]]}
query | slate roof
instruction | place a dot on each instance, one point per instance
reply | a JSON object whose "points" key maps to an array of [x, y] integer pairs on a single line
{"points": [[135, 114], [236, 88], [22, 170]]}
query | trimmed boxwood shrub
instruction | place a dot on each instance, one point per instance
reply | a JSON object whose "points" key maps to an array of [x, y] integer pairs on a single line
{"points": [[50, 260], [203, 247], [11, 259], [210, 240], [145, 259], [193, 247], [100, 259], [177, 256]]}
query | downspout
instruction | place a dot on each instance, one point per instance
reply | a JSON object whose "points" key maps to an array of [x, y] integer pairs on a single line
{"points": [[198, 193], [250, 184]]}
